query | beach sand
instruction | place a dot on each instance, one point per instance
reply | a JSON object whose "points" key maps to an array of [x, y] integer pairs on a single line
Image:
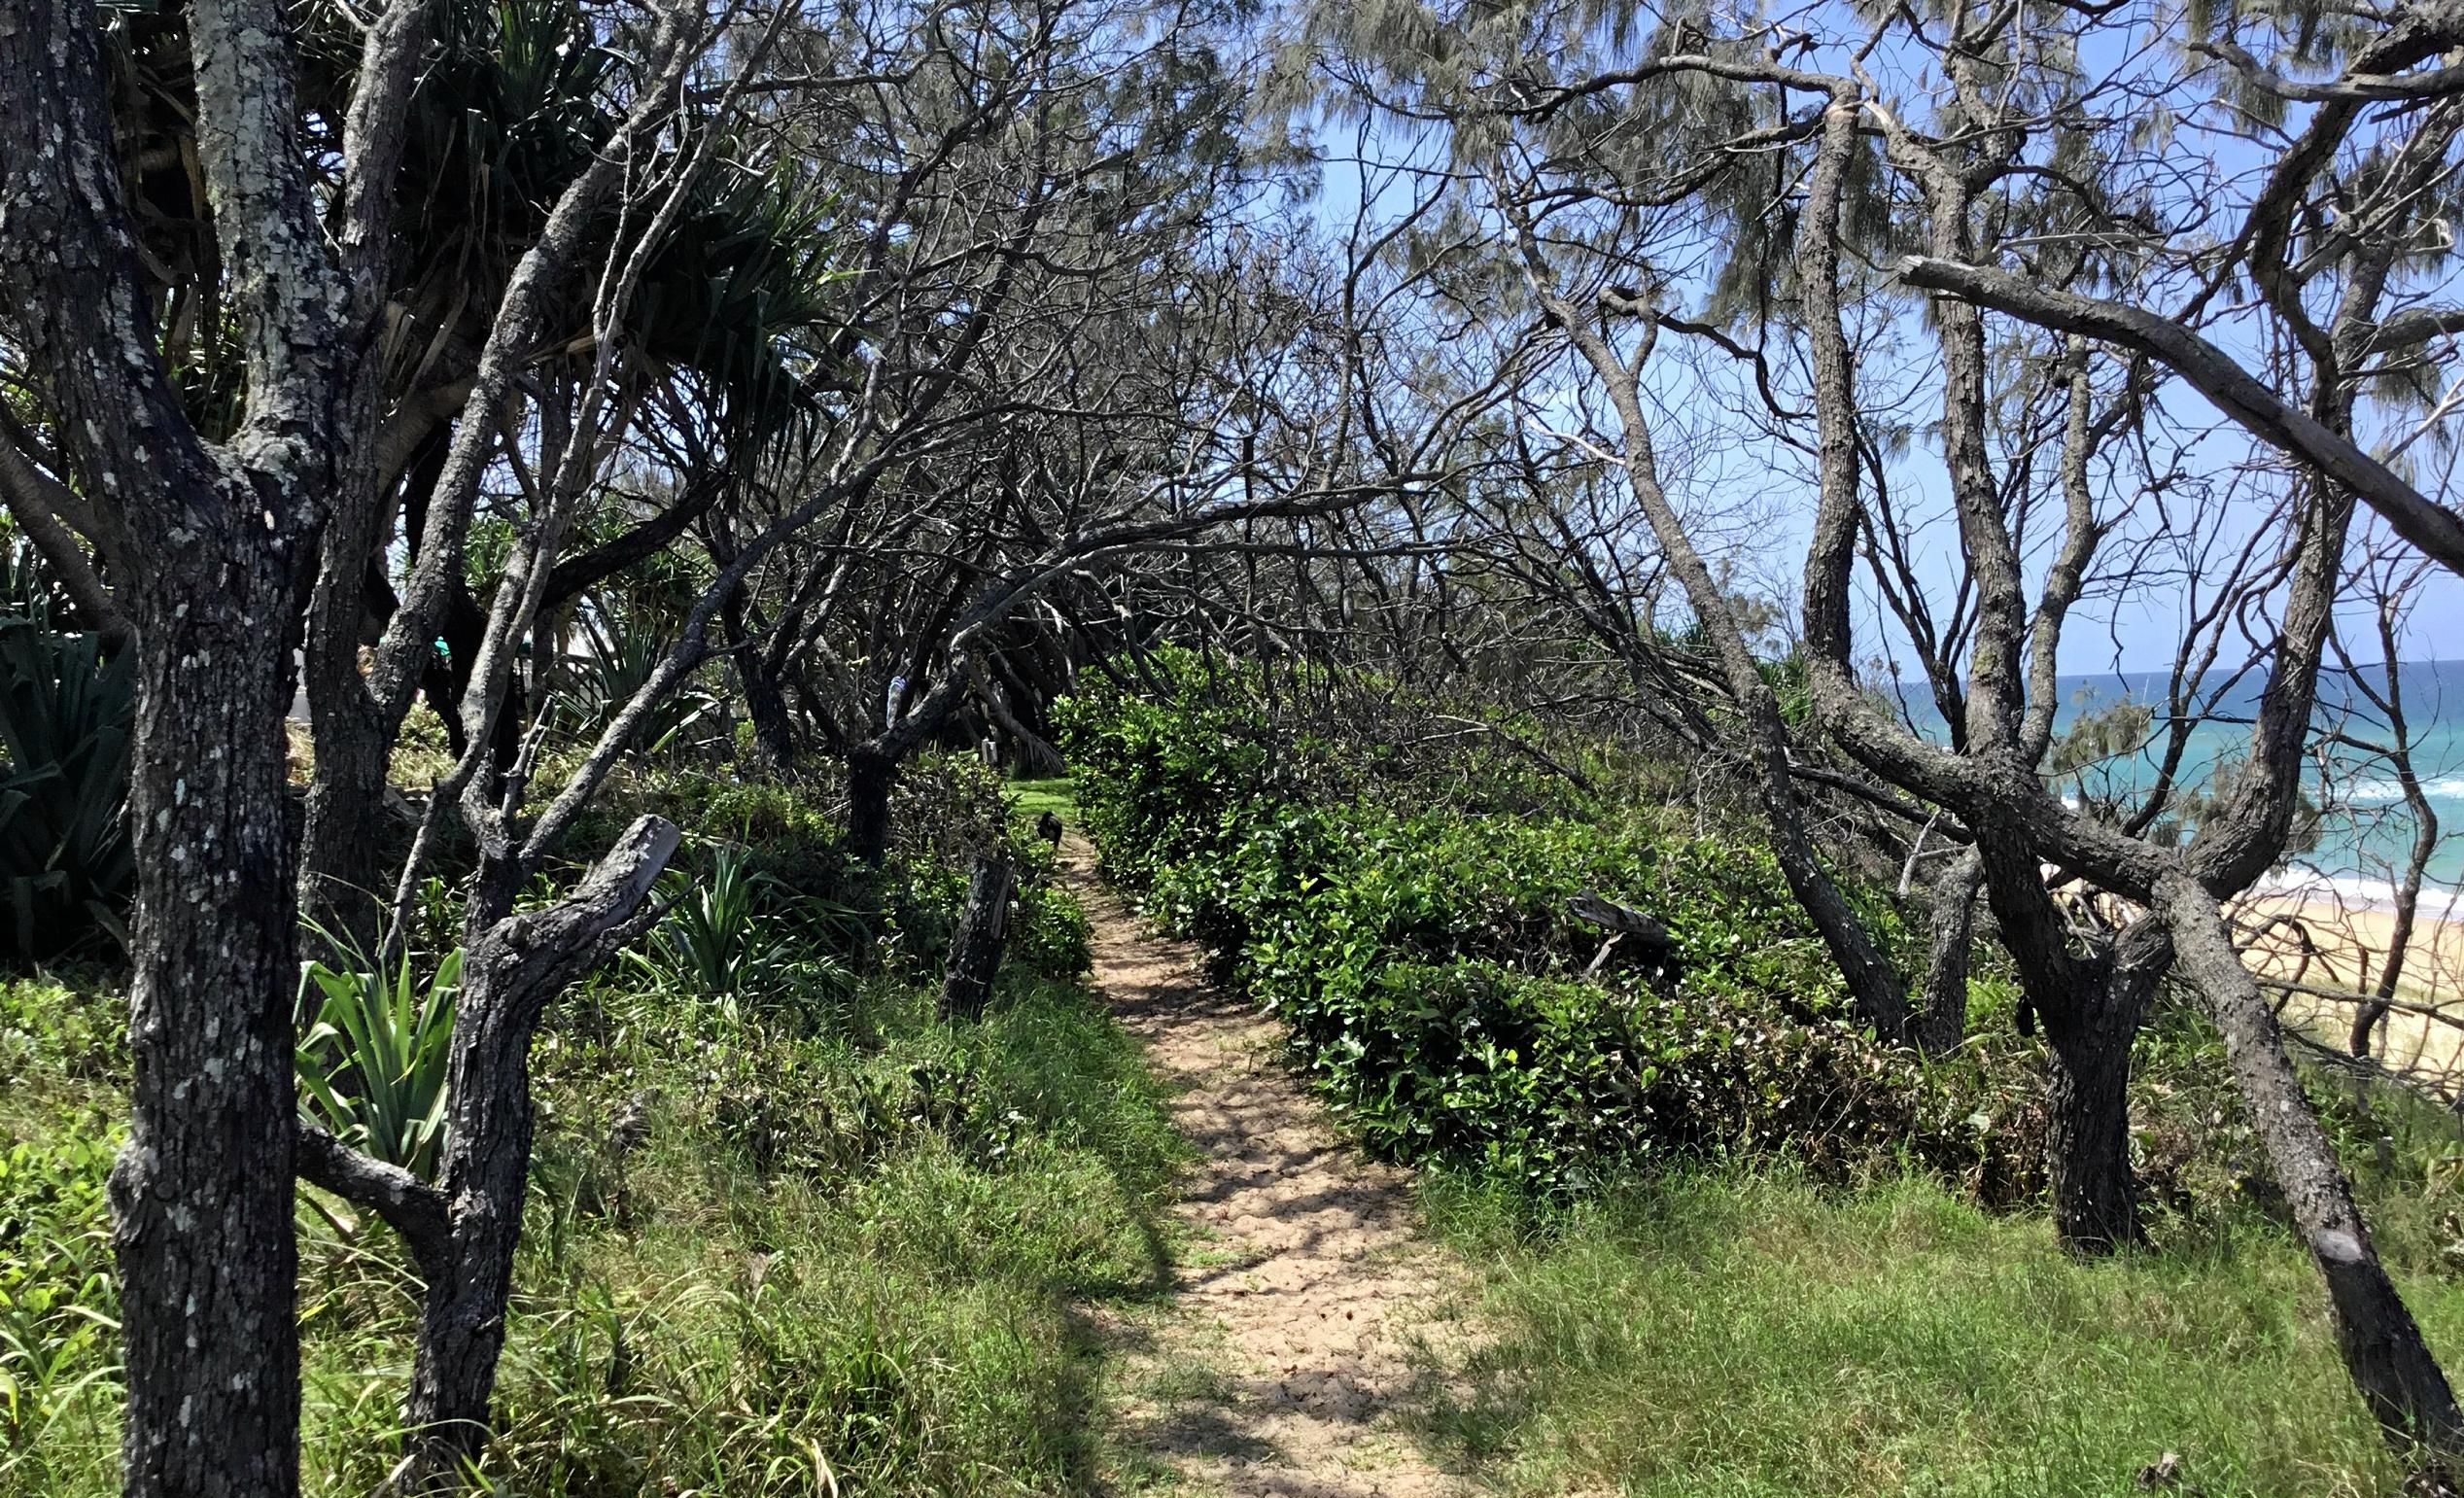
{"points": [[2319, 942]]}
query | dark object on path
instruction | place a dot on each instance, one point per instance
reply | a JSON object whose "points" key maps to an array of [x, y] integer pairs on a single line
{"points": [[983, 928], [1048, 827]]}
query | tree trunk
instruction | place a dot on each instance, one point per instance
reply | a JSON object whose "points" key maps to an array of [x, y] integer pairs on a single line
{"points": [[2384, 1353], [774, 732], [2088, 1145], [201, 1196], [1941, 1020], [2092, 1008], [870, 774], [765, 704], [341, 876], [984, 930], [517, 964], [2089, 1039]]}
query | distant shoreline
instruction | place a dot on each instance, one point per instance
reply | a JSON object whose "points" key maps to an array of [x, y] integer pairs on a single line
{"points": [[2319, 934], [2357, 892]]}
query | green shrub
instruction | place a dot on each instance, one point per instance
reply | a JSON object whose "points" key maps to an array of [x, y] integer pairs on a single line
{"points": [[1442, 996], [67, 719], [739, 939]]}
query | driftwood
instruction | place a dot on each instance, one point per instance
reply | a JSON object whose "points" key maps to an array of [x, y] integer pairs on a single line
{"points": [[1630, 931], [983, 930]]}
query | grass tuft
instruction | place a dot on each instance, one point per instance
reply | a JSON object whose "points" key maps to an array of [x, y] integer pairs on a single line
{"points": [[1741, 1335]]}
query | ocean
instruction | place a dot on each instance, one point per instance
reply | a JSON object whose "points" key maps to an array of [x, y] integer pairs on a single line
{"points": [[2363, 831]]}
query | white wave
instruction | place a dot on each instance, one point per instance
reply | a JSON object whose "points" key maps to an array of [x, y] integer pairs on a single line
{"points": [[2378, 792], [2439, 902]]}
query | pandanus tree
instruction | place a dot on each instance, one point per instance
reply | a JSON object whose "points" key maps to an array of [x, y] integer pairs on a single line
{"points": [[224, 342], [509, 121]]}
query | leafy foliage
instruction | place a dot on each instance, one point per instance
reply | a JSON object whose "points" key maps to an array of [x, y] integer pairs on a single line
{"points": [[375, 1056], [1440, 992], [62, 1056], [56, 1296], [730, 939], [67, 715]]}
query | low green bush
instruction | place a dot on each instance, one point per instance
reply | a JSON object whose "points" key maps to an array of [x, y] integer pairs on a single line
{"points": [[1443, 997]]}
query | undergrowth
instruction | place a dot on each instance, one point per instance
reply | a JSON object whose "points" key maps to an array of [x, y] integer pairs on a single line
{"points": [[787, 1233], [1750, 1334]]}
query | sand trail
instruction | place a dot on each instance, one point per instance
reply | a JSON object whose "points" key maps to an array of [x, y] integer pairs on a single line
{"points": [[1285, 1365]]}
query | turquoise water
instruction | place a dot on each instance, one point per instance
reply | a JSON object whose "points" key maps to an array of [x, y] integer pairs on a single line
{"points": [[2364, 831]]}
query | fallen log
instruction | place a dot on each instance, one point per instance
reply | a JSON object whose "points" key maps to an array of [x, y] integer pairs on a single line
{"points": [[1631, 932]]}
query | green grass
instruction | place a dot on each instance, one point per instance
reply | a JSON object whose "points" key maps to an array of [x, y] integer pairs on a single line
{"points": [[1030, 799], [1741, 1336], [849, 1261]]}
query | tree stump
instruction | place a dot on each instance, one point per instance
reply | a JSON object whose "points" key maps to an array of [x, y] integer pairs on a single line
{"points": [[983, 930]]}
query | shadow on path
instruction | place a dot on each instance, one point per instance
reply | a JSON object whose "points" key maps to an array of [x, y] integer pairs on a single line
{"points": [[1285, 1368]]}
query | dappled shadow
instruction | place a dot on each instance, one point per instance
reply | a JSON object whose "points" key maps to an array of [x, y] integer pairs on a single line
{"points": [[1307, 1266]]}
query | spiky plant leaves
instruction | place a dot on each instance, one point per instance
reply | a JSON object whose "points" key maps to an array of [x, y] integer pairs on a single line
{"points": [[67, 715], [373, 1060]]}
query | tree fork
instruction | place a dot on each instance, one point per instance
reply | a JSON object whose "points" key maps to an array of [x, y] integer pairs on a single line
{"points": [[516, 965]]}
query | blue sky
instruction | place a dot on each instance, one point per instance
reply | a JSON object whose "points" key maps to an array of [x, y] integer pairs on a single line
{"points": [[1766, 510]]}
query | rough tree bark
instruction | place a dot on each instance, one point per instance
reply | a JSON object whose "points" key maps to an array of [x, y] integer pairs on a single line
{"points": [[201, 1196], [1941, 1019], [984, 932], [223, 535], [2383, 1348], [2088, 1042]]}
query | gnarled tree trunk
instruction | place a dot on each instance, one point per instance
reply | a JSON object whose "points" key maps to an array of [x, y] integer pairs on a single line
{"points": [[1941, 1019], [2383, 1349], [515, 966]]}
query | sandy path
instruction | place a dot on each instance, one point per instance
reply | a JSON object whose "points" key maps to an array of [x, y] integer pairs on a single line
{"points": [[1285, 1364]]}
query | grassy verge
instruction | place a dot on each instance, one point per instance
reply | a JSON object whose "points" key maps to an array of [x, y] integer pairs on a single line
{"points": [[1030, 799], [1720, 1335], [760, 1258]]}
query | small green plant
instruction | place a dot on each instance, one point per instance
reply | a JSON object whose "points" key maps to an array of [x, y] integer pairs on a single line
{"points": [[67, 715], [374, 1054], [58, 1332], [727, 939]]}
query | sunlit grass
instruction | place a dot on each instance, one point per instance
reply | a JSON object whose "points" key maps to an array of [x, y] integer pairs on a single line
{"points": [[905, 1321], [1746, 1335], [1030, 799]]}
